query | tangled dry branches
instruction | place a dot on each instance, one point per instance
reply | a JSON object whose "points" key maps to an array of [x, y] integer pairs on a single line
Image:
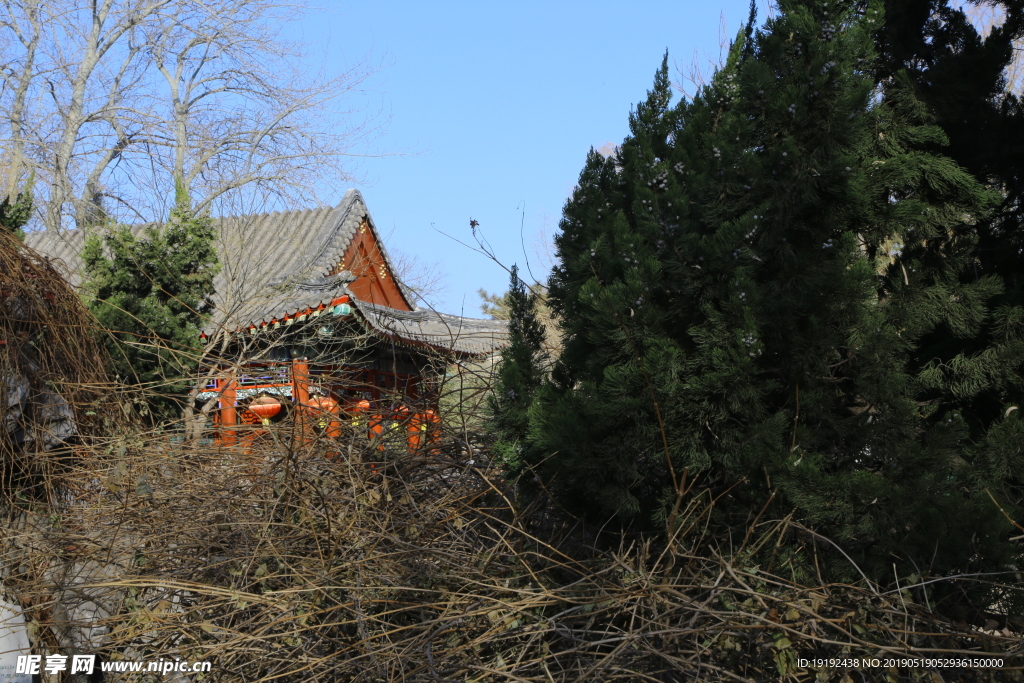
{"points": [[283, 564], [52, 377]]}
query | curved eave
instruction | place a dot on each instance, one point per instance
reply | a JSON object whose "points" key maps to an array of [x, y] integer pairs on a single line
{"points": [[440, 333]]}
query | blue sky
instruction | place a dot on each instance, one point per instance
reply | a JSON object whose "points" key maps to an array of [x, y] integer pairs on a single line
{"points": [[490, 108]]}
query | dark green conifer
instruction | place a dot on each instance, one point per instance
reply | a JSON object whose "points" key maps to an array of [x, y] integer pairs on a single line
{"points": [[744, 290], [519, 374], [151, 292], [15, 214], [597, 422], [959, 75]]}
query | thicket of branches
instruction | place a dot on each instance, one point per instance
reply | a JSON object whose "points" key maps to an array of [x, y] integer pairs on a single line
{"points": [[281, 564], [53, 379]]}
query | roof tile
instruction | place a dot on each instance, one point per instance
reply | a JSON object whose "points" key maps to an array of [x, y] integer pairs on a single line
{"points": [[273, 265]]}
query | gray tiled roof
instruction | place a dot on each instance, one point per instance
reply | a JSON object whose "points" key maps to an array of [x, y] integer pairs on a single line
{"points": [[274, 264], [466, 335]]}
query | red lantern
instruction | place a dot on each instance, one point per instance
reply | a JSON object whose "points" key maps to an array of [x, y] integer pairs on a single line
{"points": [[261, 410]]}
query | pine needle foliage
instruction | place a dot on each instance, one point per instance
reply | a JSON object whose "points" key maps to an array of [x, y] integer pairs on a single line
{"points": [[961, 77], [519, 374], [15, 214], [744, 291], [151, 293]]}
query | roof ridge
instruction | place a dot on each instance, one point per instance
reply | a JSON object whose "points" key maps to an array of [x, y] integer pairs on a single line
{"points": [[328, 254], [267, 214]]}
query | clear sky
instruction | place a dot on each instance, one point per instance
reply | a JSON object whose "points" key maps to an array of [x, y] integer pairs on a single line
{"points": [[490, 108]]}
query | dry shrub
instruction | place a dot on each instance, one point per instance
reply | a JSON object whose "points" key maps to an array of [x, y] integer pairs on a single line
{"points": [[52, 374], [292, 562]]}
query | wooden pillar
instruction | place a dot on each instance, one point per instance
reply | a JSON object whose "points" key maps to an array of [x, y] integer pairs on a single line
{"points": [[228, 412], [300, 381]]}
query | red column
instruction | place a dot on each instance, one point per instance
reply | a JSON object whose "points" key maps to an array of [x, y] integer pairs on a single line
{"points": [[300, 397], [417, 430], [300, 381], [228, 414]]}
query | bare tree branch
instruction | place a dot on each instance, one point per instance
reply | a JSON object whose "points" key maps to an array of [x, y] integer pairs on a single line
{"points": [[116, 98]]}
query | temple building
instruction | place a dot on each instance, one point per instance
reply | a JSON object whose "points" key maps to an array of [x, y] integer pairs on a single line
{"points": [[310, 315]]}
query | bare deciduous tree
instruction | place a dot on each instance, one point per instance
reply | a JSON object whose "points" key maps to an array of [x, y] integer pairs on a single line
{"points": [[106, 102], [238, 110]]}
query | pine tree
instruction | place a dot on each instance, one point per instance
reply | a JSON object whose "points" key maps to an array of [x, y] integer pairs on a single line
{"points": [[14, 215], [519, 374], [744, 291], [151, 293], [960, 77], [604, 295]]}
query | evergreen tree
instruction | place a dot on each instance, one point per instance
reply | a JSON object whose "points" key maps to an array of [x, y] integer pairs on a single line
{"points": [[519, 374], [14, 215], [744, 291], [594, 422], [151, 293], [960, 77]]}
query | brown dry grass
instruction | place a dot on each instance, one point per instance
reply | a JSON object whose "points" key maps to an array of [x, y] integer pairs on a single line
{"points": [[281, 564]]}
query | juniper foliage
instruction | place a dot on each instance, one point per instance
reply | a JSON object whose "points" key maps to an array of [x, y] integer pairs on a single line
{"points": [[15, 214], [960, 77], [151, 293]]}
